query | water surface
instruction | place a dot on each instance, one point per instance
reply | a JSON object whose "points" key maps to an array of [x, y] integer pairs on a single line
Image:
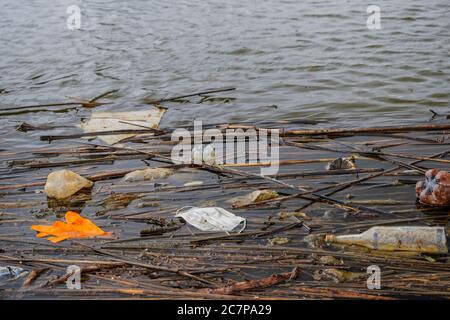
{"points": [[306, 57]]}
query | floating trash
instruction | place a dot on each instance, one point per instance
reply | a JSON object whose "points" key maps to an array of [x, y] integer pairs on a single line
{"points": [[148, 174], [330, 261], [278, 241], [127, 120], [336, 275], [206, 154], [435, 190], [75, 227], [342, 163], [255, 196], [193, 184], [64, 183], [211, 219], [299, 215], [418, 239], [11, 273]]}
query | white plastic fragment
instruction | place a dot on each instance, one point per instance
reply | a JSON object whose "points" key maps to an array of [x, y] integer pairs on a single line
{"points": [[193, 184], [109, 121], [211, 219], [11, 273], [254, 197], [206, 155], [148, 174], [62, 184]]}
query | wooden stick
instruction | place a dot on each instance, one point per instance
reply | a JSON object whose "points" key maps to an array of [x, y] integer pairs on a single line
{"points": [[148, 266], [189, 95], [390, 129], [254, 284]]}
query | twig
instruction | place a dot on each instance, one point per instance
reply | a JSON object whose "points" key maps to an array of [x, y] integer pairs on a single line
{"points": [[255, 284], [189, 95]]}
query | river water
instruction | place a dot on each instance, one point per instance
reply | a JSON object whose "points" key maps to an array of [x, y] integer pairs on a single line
{"points": [[309, 58]]}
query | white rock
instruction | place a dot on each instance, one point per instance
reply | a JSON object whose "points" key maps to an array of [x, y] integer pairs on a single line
{"points": [[64, 183]]}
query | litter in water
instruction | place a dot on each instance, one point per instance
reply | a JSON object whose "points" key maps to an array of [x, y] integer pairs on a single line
{"points": [[435, 190], [127, 120], [11, 273], [342, 163], [255, 196], [204, 154], [148, 174], [75, 227], [211, 219], [418, 239]]}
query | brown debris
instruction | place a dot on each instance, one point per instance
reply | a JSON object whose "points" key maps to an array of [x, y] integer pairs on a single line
{"points": [[255, 284]]}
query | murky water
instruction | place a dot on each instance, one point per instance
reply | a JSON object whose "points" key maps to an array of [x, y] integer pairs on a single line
{"points": [[287, 60], [306, 57]]}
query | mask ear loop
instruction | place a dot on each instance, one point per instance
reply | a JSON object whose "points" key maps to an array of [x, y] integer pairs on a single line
{"points": [[242, 229], [183, 208], [245, 226]]}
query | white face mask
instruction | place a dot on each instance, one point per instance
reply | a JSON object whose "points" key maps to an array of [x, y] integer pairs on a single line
{"points": [[211, 219]]}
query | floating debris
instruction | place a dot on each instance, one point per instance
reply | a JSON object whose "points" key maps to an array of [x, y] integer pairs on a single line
{"points": [[11, 273], [64, 183], [342, 163], [255, 284], [336, 275], [75, 227], [315, 240], [277, 241], [287, 215], [435, 190], [161, 226], [211, 219], [418, 239], [193, 184], [129, 120], [254, 197], [145, 204], [153, 244], [206, 154], [148, 174], [330, 261]]}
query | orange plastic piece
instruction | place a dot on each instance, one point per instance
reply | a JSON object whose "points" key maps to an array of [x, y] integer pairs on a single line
{"points": [[75, 227]]}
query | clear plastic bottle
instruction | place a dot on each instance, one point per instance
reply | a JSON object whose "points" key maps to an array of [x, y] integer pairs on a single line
{"points": [[418, 239]]}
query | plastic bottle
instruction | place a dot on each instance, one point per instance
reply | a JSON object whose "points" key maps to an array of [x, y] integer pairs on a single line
{"points": [[418, 239]]}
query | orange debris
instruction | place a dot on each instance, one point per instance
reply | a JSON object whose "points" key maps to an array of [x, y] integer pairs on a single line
{"points": [[75, 227]]}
